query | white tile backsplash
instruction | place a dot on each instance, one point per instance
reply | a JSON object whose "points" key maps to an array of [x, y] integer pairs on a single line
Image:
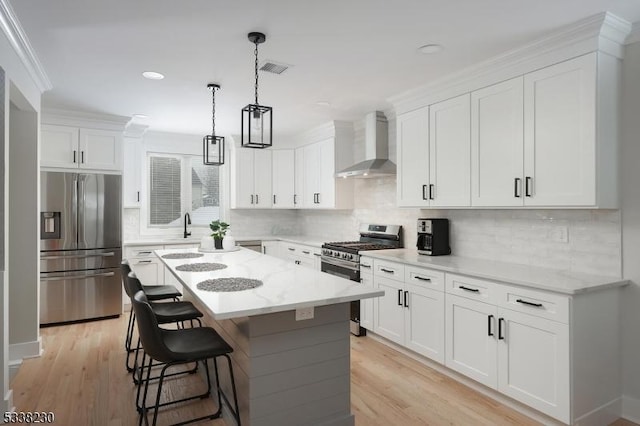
{"points": [[518, 236]]}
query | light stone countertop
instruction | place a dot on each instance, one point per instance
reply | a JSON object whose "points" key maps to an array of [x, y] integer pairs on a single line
{"points": [[569, 283], [286, 286]]}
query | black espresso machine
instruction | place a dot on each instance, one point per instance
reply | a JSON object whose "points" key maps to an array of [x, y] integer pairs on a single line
{"points": [[433, 237]]}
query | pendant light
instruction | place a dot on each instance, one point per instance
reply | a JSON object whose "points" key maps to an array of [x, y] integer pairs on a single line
{"points": [[212, 145], [256, 119]]}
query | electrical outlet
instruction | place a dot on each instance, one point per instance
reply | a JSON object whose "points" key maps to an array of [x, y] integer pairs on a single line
{"points": [[559, 234], [304, 314]]}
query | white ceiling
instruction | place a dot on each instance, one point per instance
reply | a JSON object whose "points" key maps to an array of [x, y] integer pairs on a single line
{"points": [[351, 53]]}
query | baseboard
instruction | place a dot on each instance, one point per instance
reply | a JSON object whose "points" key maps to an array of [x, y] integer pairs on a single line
{"points": [[495, 395], [14, 366], [7, 402], [603, 415], [20, 351], [631, 409]]}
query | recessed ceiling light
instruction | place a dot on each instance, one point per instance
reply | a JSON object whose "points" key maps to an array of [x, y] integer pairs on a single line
{"points": [[323, 103], [140, 116], [430, 49], [152, 75]]}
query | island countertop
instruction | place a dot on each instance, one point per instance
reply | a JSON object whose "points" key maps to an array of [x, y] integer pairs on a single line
{"points": [[286, 286]]}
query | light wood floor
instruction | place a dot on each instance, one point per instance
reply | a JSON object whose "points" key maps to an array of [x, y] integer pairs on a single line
{"points": [[82, 379]]}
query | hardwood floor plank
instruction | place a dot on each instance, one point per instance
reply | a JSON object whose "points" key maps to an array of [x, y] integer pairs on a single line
{"points": [[81, 377]]}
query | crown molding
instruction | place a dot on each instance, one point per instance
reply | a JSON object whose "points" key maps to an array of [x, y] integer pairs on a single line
{"points": [[603, 32], [64, 117], [135, 130], [634, 36], [21, 45], [325, 131]]}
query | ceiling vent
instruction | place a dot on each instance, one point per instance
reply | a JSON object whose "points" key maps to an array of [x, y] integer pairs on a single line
{"points": [[273, 67]]}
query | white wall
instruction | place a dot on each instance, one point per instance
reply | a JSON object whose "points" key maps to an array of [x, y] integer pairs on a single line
{"points": [[630, 123]]}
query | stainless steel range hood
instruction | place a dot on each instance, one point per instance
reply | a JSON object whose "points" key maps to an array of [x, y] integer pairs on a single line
{"points": [[376, 141]]}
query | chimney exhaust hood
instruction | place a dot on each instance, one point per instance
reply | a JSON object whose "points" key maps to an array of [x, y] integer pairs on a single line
{"points": [[376, 142]]}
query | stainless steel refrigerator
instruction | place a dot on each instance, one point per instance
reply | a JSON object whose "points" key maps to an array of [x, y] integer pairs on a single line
{"points": [[80, 246]]}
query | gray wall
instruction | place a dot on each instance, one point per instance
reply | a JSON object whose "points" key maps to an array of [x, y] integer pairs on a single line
{"points": [[631, 224], [23, 233]]}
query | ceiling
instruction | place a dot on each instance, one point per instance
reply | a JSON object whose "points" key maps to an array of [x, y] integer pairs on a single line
{"points": [[353, 54]]}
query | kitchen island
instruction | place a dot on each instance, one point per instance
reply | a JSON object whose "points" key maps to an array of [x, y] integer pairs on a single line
{"points": [[290, 335]]}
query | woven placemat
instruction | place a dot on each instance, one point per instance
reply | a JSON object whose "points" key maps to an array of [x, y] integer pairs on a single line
{"points": [[200, 267], [228, 284], [182, 255]]}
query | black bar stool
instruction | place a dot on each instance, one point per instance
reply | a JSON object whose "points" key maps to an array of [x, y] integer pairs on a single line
{"points": [[156, 293], [176, 347], [165, 313]]}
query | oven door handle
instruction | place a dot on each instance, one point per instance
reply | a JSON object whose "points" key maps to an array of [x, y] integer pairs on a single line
{"points": [[339, 262]]}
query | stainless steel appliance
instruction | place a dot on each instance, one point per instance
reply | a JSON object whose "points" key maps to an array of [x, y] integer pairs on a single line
{"points": [[343, 258], [80, 246], [433, 237]]}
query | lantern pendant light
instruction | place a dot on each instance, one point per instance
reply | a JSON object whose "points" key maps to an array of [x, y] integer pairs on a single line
{"points": [[256, 119], [212, 145]]}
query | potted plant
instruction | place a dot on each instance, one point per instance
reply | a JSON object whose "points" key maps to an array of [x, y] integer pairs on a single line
{"points": [[218, 230]]}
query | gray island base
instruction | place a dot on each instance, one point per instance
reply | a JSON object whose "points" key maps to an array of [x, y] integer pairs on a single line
{"points": [[289, 372]]}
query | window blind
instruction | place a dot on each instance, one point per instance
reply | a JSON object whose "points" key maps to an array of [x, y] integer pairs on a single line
{"points": [[164, 194]]}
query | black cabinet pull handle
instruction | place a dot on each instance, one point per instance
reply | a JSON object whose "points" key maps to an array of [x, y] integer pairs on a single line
{"points": [[306, 251], [138, 196], [406, 299], [144, 261], [474, 290], [364, 265], [318, 197], [291, 249], [516, 185], [527, 187], [144, 252], [82, 157], [251, 198], [524, 302], [500, 330], [274, 198], [388, 271], [257, 199], [399, 297], [431, 187], [74, 155], [489, 323], [295, 200], [418, 277], [424, 192]]}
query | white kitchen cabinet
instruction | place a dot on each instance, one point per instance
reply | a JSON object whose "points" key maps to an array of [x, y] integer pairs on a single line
{"points": [[450, 153], [497, 134], [366, 305], [310, 175], [298, 180], [299, 254], [533, 362], [283, 172], [131, 172], [411, 312], [251, 177], [145, 264], [272, 248], [560, 120], [80, 148], [413, 158], [471, 347]]}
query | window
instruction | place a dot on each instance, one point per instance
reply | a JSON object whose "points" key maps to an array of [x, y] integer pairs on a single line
{"points": [[179, 184]]}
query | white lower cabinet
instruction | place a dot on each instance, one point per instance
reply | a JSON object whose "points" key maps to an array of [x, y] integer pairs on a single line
{"points": [[272, 248], [409, 314], [300, 254]]}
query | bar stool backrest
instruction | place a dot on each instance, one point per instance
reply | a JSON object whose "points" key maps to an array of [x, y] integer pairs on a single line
{"points": [[133, 284], [148, 329], [126, 270]]}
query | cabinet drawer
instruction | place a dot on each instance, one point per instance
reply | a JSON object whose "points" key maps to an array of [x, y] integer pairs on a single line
{"points": [[424, 277], [472, 288], [305, 251], [391, 270], [533, 302], [141, 251], [366, 266]]}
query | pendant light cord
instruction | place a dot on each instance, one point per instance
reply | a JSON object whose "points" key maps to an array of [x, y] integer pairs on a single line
{"points": [[213, 112], [256, 68]]}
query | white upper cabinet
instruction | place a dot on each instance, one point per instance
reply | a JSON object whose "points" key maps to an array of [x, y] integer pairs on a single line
{"points": [[560, 134], [251, 178], [131, 172], [298, 180], [413, 158], [497, 144], [80, 148], [283, 162], [449, 153]]}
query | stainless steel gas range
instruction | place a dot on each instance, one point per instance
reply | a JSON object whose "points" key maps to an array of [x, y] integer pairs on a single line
{"points": [[343, 258]]}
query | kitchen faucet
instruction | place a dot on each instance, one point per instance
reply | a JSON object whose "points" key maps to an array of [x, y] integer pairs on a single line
{"points": [[187, 221]]}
